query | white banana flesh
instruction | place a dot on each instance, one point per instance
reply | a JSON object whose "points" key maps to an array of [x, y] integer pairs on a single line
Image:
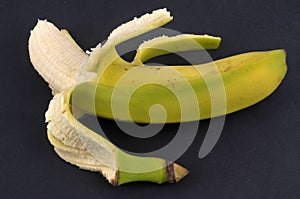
{"points": [[80, 158], [73, 142], [57, 58]]}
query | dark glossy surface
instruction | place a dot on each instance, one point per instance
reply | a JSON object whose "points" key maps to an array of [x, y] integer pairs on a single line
{"points": [[258, 154]]}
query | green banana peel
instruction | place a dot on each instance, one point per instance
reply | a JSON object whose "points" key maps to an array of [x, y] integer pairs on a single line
{"points": [[164, 45], [243, 76]]}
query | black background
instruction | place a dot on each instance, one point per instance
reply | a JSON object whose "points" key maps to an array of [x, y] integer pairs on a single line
{"points": [[258, 154]]}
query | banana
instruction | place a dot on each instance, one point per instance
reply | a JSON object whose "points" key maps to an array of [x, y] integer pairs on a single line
{"points": [[101, 82], [91, 151]]}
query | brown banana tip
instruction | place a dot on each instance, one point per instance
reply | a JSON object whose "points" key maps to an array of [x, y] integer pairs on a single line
{"points": [[176, 172]]}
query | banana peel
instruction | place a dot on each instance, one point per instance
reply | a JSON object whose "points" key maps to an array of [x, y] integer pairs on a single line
{"points": [[93, 77], [80, 146]]}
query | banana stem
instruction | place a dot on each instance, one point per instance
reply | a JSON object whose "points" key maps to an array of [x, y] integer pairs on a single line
{"points": [[157, 170]]}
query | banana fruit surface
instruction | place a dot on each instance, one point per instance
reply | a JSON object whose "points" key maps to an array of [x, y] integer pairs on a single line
{"points": [[246, 79]]}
